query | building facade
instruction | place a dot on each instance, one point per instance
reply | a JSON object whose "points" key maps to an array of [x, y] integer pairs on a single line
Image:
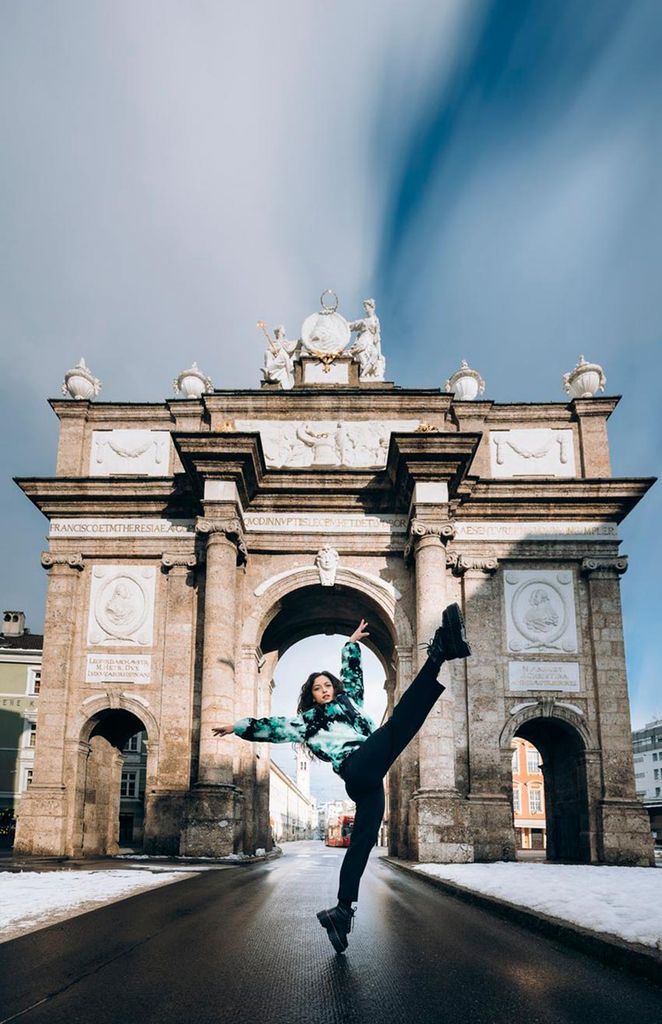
{"points": [[20, 683], [292, 813], [528, 796], [647, 756], [192, 541]]}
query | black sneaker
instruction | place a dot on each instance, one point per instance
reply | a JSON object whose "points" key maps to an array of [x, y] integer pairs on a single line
{"points": [[338, 923], [449, 641]]}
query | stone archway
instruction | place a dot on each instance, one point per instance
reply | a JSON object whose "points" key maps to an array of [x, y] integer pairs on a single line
{"points": [[103, 736], [563, 741]]}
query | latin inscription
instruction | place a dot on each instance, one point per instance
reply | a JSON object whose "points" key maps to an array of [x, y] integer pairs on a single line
{"points": [[308, 522], [118, 668], [544, 675]]}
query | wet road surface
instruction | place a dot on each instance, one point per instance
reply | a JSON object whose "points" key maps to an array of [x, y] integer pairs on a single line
{"points": [[243, 946]]}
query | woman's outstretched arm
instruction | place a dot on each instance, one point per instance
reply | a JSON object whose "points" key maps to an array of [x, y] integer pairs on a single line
{"points": [[351, 671], [265, 730]]}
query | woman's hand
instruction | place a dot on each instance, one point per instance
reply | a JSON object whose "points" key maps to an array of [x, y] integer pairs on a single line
{"points": [[360, 631], [223, 730]]}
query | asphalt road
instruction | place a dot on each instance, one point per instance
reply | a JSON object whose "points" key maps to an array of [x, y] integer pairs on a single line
{"points": [[244, 946]]}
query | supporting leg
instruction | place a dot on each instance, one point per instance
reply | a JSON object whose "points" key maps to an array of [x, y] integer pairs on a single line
{"points": [[368, 818]]}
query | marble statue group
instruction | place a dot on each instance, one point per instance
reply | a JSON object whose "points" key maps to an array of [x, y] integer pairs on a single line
{"points": [[325, 336]]}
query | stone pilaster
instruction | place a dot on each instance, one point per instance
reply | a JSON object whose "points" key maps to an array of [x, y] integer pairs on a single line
{"points": [[489, 776], [165, 801], [623, 826], [438, 817], [42, 820], [214, 807]]}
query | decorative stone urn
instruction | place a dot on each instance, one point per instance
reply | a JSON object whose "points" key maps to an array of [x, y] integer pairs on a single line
{"points": [[192, 383], [585, 380], [80, 382], [466, 383]]}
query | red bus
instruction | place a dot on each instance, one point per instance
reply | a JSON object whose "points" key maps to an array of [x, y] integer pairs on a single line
{"points": [[339, 830]]}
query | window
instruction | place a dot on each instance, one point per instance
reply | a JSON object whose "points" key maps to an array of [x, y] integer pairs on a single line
{"points": [[27, 778], [640, 775], [517, 803], [641, 758], [129, 784], [133, 743], [535, 801], [34, 680], [656, 773], [638, 760], [515, 764], [32, 739], [532, 761], [657, 791]]}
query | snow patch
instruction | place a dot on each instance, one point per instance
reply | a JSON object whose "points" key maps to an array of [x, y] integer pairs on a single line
{"points": [[625, 902], [31, 899]]}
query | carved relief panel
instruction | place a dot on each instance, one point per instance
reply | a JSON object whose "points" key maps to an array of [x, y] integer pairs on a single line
{"points": [[144, 452], [538, 451], [326, 442], [121, 606], [540, 611]]}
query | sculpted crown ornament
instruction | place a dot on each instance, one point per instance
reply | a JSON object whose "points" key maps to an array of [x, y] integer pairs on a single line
{"points": [[466, 383], [585, 380], [192, 383], [325, 337], [80, 382]]}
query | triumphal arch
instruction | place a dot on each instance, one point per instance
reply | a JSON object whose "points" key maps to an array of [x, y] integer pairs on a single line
{"points": [[192, 541]]}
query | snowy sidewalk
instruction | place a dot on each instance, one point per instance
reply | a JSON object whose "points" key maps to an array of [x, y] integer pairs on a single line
{"points": [[616, 906], [36, 899]]}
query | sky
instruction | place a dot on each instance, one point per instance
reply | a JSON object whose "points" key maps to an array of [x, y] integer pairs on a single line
{"points": [[488, 170]]}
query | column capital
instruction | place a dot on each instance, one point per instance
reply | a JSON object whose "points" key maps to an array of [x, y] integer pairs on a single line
{"points": [[181, 564], [604, 566], [428, 530], [230, 527], [51, 561], [470, 564]]}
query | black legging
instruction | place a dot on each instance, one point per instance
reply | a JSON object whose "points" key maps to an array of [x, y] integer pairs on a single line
{"points": [[364, 770]]}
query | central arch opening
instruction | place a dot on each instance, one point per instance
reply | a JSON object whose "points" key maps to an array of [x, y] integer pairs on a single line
{"points": [[305, 634]]}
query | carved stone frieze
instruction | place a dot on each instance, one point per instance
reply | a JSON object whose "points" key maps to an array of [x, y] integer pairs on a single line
{"points": [[604, 565], [303, 443], [49, 560], [230, 526]]}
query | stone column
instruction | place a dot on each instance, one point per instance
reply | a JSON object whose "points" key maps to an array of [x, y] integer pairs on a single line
{"points": [[166, 791], [43, 819], [214, 826], [489, 773], [438, 821], [623, 826]]}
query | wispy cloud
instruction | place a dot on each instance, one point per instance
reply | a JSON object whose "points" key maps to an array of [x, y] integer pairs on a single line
{"points": [[171, 172]]}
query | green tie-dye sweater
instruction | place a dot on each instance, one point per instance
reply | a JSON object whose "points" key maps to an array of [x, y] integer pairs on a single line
{"points": [[331, 731]]}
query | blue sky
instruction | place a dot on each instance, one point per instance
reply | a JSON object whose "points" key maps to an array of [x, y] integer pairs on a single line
{"points": [[489, 171]]}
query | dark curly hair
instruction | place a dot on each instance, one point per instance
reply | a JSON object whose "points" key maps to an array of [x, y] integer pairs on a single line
{"points": [[306, 699]]}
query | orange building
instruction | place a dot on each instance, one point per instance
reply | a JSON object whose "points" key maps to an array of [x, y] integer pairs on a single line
{"points": [[528, 796]]}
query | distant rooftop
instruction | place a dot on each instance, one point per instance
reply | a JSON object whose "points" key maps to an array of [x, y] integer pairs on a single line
{"points": [[26, 642]]}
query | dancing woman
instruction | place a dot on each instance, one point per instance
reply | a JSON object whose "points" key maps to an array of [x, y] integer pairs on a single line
{"points": [[331, 723]]}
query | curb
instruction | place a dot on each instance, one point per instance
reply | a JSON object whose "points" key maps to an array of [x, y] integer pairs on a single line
{"points": [[158, 863], [629, 956]]}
